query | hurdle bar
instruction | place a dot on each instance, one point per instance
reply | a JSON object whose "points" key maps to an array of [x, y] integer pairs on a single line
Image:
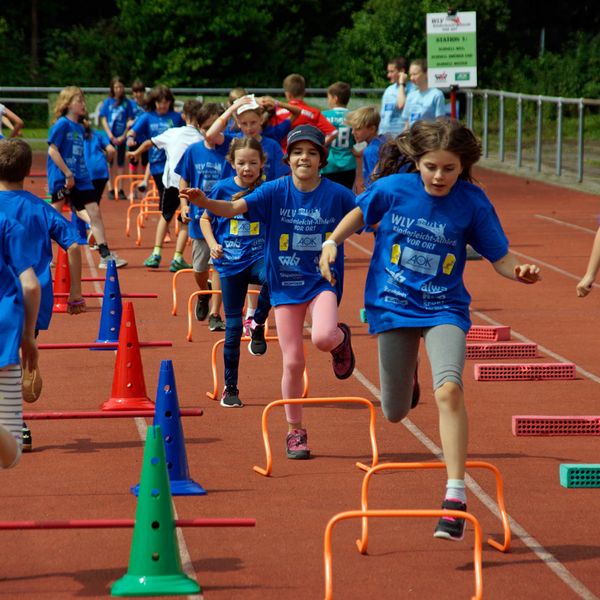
{"points": [[371, 514], [101, 295], [524, 371], [143, 206], [490, 333], [106, 414], [98, 345], [342, 400], [362, 543], [501, 350], [120, 523], [174, 286], [548, 425]]}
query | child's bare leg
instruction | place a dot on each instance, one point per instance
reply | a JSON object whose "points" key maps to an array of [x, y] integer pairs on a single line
{"points": [[215, 299], [92, 215], [454, 428]]}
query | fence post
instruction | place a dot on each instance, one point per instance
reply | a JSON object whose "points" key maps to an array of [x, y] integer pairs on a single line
{"points": [[485, 124], [581, 113], [501, 128], [538, 136], [559, 116], [519, 131]]}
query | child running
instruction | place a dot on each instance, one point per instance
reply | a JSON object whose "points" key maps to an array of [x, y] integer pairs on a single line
{"points": [[237, 247], [415, 286], [299, 212]]}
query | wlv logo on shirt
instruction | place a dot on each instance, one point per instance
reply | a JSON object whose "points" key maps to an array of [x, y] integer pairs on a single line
{"points": [[289, 262], [306, 242], [422, 262]]}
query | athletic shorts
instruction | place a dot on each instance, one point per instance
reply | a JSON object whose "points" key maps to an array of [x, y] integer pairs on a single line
{"points": [[169, 203], [76, 198], [121, 151], [200, 255], [99, 185]]}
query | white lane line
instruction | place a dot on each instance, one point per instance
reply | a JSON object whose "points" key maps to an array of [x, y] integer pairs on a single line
{"points": [[142, 427], [545, 557], [566, 224]]}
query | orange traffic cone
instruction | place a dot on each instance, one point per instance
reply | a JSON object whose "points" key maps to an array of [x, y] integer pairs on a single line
{"points": [[128, 387], [62, 281]]}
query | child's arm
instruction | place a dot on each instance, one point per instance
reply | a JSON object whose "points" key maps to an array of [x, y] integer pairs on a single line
{"points": [[109, 152], [105, 126], [60, 163], [584, 287], [184, 206], [269, 103], [75, 303], [31, 300], [140, 149], [216, 250], [14, 122], [214, 135], [509, 266], [350, 224], [401, 97], [221, 208]]}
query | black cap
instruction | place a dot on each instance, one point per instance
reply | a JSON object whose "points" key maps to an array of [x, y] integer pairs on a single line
{"points": [[308, 133]]}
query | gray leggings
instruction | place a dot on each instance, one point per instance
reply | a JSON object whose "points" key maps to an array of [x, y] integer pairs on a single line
{"points": [[398, 352]]}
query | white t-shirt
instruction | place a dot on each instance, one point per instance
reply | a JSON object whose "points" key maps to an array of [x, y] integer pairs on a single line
{"points": [[174, 142]]}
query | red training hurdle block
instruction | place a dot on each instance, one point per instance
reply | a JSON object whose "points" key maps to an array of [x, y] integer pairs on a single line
{"points": [[524, 371], [547, 425], [489, 333], [501, 350]]}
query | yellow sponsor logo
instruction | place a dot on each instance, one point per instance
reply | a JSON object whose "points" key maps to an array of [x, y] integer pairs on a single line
{"points": [[284, 242], [449, 263], [233, 227], [254, 228], [395, 258]]}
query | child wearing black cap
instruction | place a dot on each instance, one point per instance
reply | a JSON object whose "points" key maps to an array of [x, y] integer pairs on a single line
{"points": [[299, 213]]}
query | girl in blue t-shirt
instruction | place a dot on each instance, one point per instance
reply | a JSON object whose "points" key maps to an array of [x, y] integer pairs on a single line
{"points": [[237, 248], [298, 213], [415, 286], [116, 111]]}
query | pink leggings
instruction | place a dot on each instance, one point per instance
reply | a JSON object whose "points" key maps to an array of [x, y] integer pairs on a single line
{"points": [[325, 335]]}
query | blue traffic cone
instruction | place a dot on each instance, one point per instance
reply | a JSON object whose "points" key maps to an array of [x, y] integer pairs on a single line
{"points": [[112, 307], [168, 417], [80, 225]]}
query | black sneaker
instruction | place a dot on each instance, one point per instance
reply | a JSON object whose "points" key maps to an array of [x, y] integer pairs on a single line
{"points": [[449, 528], [122, 195], [416, 392], [26, 436], [215, 323], [257, 344], [231, 397], [202, 307], [296, 444], [343, 356]]}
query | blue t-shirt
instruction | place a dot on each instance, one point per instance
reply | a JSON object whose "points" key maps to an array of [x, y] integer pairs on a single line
{"points": [[297, 223], [68, 137], [416, 274], [202, 168], [274, 166], [370, 158], [424, 106], [93, 150], [14, 259], [340, 152], [278, 132], [243, 241], [391, 123], [117, 114], [42, 224], [151, 124]]}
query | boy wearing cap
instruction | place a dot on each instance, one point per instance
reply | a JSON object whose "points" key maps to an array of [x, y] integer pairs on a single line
{"points": [[300, 212]]}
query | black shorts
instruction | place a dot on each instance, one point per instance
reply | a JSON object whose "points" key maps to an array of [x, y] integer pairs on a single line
{"points": [[77, 199], [134, 161], [169, 203], [99, 185], [160, 186], [121, 150]]}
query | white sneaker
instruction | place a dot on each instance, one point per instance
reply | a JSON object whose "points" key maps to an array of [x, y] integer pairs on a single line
{"points": [[119, 262]]}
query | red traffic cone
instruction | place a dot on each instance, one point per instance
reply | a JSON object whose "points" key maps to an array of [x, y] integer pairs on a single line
{"points": [[62, 281], [128, 387]]}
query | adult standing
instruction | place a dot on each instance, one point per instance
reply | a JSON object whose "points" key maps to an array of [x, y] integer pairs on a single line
{"points": [[423, 103], [394, 97]]}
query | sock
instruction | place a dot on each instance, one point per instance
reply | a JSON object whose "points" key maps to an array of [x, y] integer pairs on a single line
{"points": [[104, 251], [455, 490], [250, 313], [157, 250], [177, 256]]}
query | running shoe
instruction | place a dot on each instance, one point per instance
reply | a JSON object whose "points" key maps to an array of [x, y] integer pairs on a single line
{"points": [[343, 356], [296, 444], [449, 528]]}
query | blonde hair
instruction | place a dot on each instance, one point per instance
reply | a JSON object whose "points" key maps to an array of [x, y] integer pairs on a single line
{"points": [[365, 116], [65, 97]]}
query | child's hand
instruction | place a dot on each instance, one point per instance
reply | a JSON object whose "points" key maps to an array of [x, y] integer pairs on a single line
{"points": [[29, 352], [132, 154], [584, 287], [328, 256], [184, 213], [194, 196], [76, 306], [216, 251], [527, 273], [267, 102]]}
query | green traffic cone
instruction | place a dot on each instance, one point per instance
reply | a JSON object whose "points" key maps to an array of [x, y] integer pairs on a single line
{"points": [[154, 563]]}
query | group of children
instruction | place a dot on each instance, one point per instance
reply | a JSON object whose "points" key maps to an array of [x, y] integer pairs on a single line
{"points": [[269, 191]]}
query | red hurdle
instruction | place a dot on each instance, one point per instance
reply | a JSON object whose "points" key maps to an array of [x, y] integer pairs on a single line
{"points": [[524, 371], [489, 333], [547, 425]]}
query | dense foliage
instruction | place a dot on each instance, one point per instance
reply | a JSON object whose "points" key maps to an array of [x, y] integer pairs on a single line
{"points": [[201, 43]]}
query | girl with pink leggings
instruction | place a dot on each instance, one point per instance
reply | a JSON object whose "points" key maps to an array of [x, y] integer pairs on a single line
{"points": [[298, 212]]}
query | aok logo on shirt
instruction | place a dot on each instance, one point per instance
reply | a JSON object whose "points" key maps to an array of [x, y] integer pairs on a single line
{"points": [[243, 227], [288, 262], [422, 262], [302, 243]]}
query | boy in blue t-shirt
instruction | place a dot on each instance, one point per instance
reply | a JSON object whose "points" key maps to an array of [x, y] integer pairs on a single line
{"points": [[365, 123], [341, 164], [19, 302]]}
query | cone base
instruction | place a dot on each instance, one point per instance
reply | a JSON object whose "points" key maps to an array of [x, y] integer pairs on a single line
{"points": [[142, 403], [179, 487], [154, 585]]}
